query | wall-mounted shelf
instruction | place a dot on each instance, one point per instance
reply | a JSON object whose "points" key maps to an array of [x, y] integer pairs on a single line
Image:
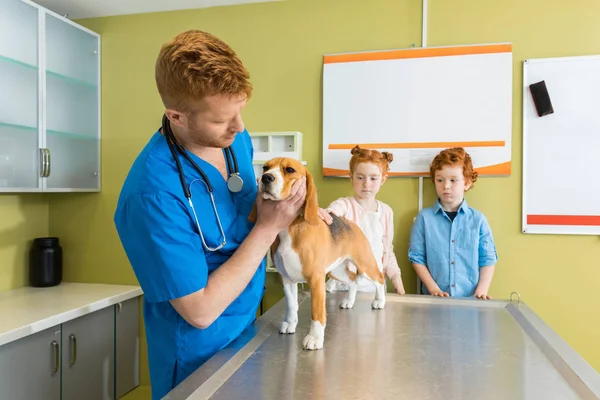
{"points": [[268, 145]]}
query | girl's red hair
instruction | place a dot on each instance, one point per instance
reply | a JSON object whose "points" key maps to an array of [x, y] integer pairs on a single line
{"points": [[382, 159]]}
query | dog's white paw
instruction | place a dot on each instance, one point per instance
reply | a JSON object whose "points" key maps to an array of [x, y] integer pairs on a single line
{"points": [[288, 327], [347, 303], [311, 342], [315, 338], [378, 304]]}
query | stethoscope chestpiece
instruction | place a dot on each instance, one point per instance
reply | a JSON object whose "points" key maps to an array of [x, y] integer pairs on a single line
{"points": [[235, 183]]}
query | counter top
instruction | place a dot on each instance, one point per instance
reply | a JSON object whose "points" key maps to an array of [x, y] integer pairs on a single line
{"points": [[28, 310], [418, 347]]}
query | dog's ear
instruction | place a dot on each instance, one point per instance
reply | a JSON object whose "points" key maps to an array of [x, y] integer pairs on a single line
{"points": [[252, 216], [311, 204]]}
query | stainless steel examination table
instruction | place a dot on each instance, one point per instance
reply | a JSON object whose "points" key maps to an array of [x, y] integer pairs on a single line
{"points": [[418, 347]]}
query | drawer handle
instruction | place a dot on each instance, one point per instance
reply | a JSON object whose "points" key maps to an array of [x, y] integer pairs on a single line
{"points": [[73, 349], [54, 345]]}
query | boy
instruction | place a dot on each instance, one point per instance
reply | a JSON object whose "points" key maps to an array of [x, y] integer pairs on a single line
{"points": [[451, 245]]}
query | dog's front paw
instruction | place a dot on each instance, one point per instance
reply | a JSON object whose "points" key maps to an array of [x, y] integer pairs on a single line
{"points": [[288, 327], [378, 304], [347, 303], [316, 336], [311, 342]]}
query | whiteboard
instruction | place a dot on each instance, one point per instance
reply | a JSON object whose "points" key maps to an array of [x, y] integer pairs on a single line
{"points": [[416, 102], [561, 186]]}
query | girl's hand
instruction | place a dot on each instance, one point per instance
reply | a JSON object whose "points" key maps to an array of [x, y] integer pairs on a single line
{"points": [[397, 281], [439, 293], [324, 215]]}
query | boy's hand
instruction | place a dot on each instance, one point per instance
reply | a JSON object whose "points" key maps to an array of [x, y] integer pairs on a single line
{"points": [[485, 279], [324, 215], [439, 293], [480, 294]]}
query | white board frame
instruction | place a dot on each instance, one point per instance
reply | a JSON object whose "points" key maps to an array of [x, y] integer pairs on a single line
{"points": [[489, 64], [529, 111]]}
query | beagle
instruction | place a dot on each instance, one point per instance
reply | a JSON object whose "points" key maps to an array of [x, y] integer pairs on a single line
{"points": [[310, 249]]}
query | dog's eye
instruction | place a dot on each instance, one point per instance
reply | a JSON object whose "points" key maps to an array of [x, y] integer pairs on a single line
{"points": [[290, 170], [265, 168]]}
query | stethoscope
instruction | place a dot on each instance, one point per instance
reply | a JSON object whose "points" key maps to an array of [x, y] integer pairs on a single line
{"points": [[234, 181]]}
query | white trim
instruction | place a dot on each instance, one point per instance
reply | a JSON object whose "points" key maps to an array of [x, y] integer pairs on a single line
{"points": [[71, 190], [560, 229], [524, 151], [17, 190], [560, 59], [42, 62], [99, 88], [41, 96]]}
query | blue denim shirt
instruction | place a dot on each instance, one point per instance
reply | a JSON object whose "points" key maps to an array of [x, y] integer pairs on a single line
{"points": [[453, 251]]}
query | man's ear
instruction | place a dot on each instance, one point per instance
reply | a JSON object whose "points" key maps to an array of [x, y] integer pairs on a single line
{"points": [[311, 204], [176, 117]]}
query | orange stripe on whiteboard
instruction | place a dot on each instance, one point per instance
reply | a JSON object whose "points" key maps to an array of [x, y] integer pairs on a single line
{"points": [[496, 169], [418, 145], [581, 220], [417, 53]]}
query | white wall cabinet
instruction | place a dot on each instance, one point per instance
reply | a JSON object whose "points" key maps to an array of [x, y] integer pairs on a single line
{"points": [[50, 103], [92, 357]]}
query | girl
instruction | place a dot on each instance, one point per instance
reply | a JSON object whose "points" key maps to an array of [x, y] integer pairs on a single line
{"points": [[368, 171]]}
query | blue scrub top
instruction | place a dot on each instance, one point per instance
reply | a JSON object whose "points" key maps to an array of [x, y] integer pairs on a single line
{"points": [[159, 234]]}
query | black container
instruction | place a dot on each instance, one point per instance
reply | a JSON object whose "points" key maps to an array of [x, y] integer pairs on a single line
{"points": [[45, 262]]}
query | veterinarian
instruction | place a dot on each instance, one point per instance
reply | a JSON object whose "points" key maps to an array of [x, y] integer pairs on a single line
{"points": [[182, 214]]}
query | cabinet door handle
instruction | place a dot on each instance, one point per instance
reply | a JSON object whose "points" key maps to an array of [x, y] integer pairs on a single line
{"points": [[42, 163], [56, 356], [49, 163], [119, 306], [73, 349], [45, 163]]}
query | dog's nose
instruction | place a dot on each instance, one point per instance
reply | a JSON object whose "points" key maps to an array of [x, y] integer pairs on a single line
{"points": [[267, 178]]}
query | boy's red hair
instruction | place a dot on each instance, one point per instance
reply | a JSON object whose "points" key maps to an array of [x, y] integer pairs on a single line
{"points": [[382, 159], [454, 157]]}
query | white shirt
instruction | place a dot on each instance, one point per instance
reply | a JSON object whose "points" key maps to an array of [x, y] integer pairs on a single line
{"points": [[371, 223]]}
